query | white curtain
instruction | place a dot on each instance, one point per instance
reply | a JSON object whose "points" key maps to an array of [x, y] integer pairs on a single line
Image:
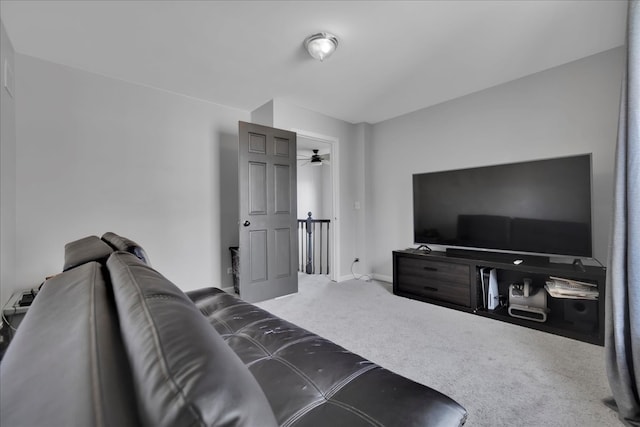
{"points": [[622, 339]]}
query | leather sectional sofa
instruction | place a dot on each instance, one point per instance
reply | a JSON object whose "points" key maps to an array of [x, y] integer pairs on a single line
{"points": [[111, 342]]}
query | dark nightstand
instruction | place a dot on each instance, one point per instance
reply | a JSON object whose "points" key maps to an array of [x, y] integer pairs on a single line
{"points": [[12, 314]]}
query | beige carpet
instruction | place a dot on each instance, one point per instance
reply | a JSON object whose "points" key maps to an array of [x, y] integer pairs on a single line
{"points": [[503, 374]]}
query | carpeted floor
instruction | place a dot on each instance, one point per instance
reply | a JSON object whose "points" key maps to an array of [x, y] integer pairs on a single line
{"points": [[503, 374]]}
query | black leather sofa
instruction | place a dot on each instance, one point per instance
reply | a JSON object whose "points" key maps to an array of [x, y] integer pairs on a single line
{"points": [[111, 342]]}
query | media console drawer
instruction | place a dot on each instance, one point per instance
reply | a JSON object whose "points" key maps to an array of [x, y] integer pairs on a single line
{"points": [[443, 281]]}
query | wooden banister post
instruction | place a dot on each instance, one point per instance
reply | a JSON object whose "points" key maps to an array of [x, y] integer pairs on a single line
{"points": [[309, 267]]}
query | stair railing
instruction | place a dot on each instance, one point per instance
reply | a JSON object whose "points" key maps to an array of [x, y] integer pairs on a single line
{"points": [[314, 245]]}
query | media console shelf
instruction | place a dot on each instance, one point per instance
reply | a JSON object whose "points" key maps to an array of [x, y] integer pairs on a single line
{"points": [[455, 282]]}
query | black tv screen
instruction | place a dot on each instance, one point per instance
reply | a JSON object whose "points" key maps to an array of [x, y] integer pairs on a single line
{"points": [[541, 206]]}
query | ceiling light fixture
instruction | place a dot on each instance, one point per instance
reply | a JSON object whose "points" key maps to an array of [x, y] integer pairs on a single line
{"points": [[321, 45]]}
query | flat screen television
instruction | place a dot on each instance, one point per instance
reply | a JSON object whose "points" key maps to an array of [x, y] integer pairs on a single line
{"points": [[540, 207]]}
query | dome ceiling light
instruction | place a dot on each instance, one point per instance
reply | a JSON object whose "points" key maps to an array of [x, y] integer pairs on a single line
{"points": [[321, 45]]}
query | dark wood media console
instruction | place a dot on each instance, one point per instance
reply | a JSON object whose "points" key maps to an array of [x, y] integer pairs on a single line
{"points": [[454, 282]]}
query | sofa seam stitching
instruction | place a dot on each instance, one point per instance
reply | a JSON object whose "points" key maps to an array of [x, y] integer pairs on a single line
{"points": [[95, 390], [221, 322], [273, 356], [298, 415], [303, 411], [298, 341], [339, 386], [328, 397], [355, 411], [300, 373], [268, 354]]}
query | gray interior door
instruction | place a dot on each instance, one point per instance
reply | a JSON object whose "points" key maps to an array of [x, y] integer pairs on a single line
{"points": [[268, 218]]}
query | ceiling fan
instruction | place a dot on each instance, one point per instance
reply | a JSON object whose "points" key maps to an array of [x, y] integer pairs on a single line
{"points": [[315, 159]]}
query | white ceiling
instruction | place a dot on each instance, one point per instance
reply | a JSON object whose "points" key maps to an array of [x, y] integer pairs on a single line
{"points": [[394, 57]]}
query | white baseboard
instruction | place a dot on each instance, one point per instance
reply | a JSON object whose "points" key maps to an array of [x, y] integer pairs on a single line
{"points": [[383, 278], [380, 277]]}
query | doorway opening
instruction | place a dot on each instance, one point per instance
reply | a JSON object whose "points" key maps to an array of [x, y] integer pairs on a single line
{"points": [[317, 193]]}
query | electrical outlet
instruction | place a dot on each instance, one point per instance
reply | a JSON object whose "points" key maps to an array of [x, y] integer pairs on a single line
{"points": [[229, 270], [356, 260]]}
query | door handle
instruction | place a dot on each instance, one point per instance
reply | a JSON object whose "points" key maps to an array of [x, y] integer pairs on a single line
{"points": [[246, 223]]}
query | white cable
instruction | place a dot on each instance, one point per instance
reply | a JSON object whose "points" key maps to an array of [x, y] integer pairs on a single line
{"points": [[15, 309], [368, 278], [6, 321]]}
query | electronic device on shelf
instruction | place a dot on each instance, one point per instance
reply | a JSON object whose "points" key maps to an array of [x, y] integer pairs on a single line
{"points": [[490, 293], [526, 209], [16, 307], [422, 249], [27, 298], [526, 302], [20, 301]]}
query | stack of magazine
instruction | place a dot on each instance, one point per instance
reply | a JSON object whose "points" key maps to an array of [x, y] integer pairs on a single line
{"points": [[568, 288]]}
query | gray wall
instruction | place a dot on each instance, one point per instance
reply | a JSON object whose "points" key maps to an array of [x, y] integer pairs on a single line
{"points": [[97, 154], [263, 115], [7, 176], [314, 191], [571, 109]]}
